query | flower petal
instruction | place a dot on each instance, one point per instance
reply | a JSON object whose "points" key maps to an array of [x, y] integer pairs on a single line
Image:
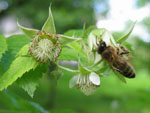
{"points": [[73, 81], [108, 38], [94, 78], [92, 41]]}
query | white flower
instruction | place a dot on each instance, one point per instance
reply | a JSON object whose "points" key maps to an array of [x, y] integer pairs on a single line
{"points": [[86, 83], [100, 34]]}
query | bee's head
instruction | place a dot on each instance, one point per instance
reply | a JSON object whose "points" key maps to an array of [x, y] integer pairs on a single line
{"points": [[101, 47]]}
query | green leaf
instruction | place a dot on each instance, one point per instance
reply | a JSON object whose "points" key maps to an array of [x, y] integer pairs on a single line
{"points": [[17, 104], [121, 77], [5, 62], [31, 33], [67, 39], [18, 67], [29, 81], [123, 38], [24, 51], [16, 42], [65, 54], [49, 25], [3, 45]]}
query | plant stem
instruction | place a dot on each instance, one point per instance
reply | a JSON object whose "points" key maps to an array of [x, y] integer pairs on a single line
{"points": [[53, 85]]}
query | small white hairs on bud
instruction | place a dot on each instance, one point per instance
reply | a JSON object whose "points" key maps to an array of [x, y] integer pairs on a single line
{"points": [[43, 49]]}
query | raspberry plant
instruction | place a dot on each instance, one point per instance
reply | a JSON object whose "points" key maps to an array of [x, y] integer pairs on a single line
{"points": [[26, 58]]}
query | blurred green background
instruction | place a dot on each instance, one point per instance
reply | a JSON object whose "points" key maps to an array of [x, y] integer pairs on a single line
{"points": [[113, 96]]}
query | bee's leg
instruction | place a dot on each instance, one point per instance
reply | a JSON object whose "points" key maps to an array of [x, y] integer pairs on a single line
{"points": [[123, 51], [118, 51]]}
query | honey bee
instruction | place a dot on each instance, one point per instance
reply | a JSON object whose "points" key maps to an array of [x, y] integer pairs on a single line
{"points": [[113, 57]]}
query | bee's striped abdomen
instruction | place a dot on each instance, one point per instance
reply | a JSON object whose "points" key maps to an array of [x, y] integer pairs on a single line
{"points": [[124, 68], [128, 71]]}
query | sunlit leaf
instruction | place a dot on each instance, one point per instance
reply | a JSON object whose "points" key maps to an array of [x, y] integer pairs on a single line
{"points": [[18, 67], [31, 33], [49, 25], [123, 38], [30, 80], [3, 45], [16, 42]]}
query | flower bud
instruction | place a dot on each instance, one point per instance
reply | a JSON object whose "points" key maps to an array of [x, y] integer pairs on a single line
{"points": [[45, 46]]}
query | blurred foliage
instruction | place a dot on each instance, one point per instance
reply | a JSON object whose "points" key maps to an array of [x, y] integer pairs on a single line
{"points": [[141, 3], [146, 23], [142, 55], [67, 13]]}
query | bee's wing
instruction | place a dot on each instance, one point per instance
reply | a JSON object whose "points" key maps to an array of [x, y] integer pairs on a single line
{"points": [[117, 73]]}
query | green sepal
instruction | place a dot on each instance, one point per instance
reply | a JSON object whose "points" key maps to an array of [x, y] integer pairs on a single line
{"points": [[67, 39], [123, 38], [83, 70], [87, 31], [49, 25], [31, 33], [68, 69], [102, 68]]}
